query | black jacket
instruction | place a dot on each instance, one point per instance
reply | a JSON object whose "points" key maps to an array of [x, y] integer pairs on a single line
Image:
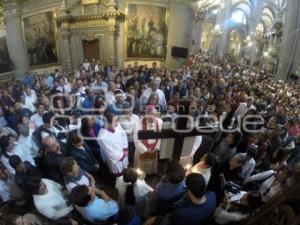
{"points": [[51, 166], [85, 158]]}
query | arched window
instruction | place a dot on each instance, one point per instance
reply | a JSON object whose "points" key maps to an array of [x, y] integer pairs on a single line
{"points": [[239, 16]]}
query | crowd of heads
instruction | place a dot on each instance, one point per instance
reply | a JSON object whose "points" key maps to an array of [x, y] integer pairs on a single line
{"points": [[43, 116]]}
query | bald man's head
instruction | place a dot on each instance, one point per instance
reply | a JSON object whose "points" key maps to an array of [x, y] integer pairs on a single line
{"points": [[51, 144]]}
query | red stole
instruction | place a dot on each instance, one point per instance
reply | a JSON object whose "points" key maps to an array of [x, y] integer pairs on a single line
{"points": [[149, 146]]}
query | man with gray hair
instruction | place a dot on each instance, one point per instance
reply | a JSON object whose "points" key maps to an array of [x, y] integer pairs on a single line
{"points": [[26, 142]]}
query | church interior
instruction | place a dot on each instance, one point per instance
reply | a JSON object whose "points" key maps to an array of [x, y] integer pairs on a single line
{"points": [[149, 112]]}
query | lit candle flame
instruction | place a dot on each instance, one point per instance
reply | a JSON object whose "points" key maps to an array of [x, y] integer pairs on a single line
{"points": [[139, 171], [188, 166]]}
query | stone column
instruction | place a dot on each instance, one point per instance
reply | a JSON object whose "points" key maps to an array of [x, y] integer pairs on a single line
{"points": [[15, 41], [222, 20], [111, 38], [112, 32], [67, 62], [290, 44], [254, 21]]}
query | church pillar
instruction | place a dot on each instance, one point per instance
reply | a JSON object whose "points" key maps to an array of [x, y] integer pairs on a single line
{"points": [[254, 21], [223, 21], [15, 41], [290, 43], [67, 63], [112, 32]]}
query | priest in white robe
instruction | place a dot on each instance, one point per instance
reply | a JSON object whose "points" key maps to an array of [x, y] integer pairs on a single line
{"points": [[146, 154], [113, 144]]}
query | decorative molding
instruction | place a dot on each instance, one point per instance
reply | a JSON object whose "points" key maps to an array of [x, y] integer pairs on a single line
{"points": [[117, 15], [89, 2], [85, 24]]}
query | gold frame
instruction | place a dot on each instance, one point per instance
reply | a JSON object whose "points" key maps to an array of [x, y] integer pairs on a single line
{"points": [[139, 2], [58, 63]]}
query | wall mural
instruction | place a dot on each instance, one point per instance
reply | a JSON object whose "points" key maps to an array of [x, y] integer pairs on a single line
{"points": [[5, 63], [147, 31], [39, 32]]}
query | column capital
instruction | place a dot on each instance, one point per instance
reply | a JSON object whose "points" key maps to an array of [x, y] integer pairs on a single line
{"points": [[12, 8]]}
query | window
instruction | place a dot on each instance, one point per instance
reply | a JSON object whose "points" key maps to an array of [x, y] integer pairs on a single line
{"points": [[239, 16]]}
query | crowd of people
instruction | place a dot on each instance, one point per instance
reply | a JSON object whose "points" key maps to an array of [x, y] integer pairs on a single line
{"points": [[71, 153]]}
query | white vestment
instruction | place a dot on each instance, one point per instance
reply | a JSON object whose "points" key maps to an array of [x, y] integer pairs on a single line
{"points": [[148, 166], [112, 145]]}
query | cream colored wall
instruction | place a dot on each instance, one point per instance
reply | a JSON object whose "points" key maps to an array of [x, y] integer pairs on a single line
{"points": [[49, 69], [180, 31]]}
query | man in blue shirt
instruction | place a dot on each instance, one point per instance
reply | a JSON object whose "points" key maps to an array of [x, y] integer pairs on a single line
{"points": [[89, 102], [93, 205], [28, 79], [170, 188], [198, 204]]}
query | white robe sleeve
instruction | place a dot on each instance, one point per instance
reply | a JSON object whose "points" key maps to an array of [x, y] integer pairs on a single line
{"points": [[160, 122]]}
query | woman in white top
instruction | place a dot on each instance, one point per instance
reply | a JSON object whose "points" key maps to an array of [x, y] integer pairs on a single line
{"points": [[134, 191], [274, 184], [49, 199], [237, 207]]}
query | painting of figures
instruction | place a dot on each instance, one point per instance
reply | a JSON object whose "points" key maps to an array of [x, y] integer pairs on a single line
{"points": [[39, 32], [5, 63], [146, 31]]}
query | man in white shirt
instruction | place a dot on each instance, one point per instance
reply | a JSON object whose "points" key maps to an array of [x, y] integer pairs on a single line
{"points": [[86, 65], [113, 73], [243, 108], [10, 147], [30, 98], [114, 144], [63, 87], [154, 89], [100, 84], [26, 142], [49, 199], [37, 118], [110, 95]]}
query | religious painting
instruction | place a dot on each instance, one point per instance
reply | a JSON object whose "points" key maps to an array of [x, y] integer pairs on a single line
{"points": [[5, 63], [146, 29], [39, 33]]}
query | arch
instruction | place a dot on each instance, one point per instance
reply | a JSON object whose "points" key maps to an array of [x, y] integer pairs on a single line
{"points": [[267, 17], [240, 13]]}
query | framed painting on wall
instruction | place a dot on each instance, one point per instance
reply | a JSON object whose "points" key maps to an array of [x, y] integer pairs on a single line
{"points": [[5, 62], [40, 39], [146, 31]]}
